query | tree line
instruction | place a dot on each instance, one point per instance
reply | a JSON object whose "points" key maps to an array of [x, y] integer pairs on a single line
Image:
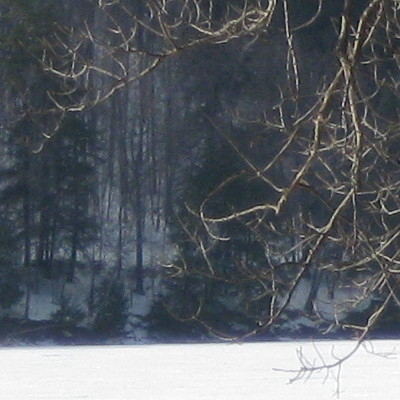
{"points": [[256, 138]]}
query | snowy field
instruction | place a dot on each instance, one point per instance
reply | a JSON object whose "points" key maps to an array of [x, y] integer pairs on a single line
{"points": [[192, 372]]}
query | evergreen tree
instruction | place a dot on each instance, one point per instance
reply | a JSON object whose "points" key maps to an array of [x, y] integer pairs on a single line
{"points": [[47, 179], [10, 277], [110, 308], [65, 222], [219, 277], [51, 194]]}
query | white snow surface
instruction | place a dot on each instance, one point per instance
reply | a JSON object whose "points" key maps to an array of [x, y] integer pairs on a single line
{"points": [[200, 371]]}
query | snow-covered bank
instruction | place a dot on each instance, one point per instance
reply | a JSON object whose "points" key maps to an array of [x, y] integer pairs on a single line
{"points": [[192, 372]]}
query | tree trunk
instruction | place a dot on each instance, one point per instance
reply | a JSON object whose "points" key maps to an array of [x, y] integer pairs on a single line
{"points": [[74, 242], [27, 236], [139, 219], [120, 242], [312, 295]]}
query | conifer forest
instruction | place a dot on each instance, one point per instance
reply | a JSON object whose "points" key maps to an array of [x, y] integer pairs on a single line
{"points": [[199, 169]]}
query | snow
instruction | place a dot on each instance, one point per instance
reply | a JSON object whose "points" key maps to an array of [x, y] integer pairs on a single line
{"points": [[345, 299], [194, 372]]}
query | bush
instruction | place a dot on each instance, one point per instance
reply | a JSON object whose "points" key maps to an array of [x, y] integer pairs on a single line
{"points": [[163, 324], [10, 291], [111, 308], [68, 315]]}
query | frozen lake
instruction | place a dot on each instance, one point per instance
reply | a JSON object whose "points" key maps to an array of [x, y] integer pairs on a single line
{"points": [[192, 372]]}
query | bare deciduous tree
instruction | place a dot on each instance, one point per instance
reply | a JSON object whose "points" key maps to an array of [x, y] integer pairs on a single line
{"points": [[334, 180], [125, 41]]}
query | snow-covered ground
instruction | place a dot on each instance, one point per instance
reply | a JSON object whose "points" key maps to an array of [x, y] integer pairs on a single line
{"points": [[192, 372]]}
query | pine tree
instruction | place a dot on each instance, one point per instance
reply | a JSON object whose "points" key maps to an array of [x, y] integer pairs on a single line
{"points": [[10, 277], [217, 275], [47, 173], [111, 308]]}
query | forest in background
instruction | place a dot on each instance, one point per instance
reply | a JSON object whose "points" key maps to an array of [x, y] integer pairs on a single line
{"points": [[232, 165]]}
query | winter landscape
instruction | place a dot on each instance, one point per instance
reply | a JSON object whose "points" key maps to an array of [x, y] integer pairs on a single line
{"points": [[177, 175]]}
